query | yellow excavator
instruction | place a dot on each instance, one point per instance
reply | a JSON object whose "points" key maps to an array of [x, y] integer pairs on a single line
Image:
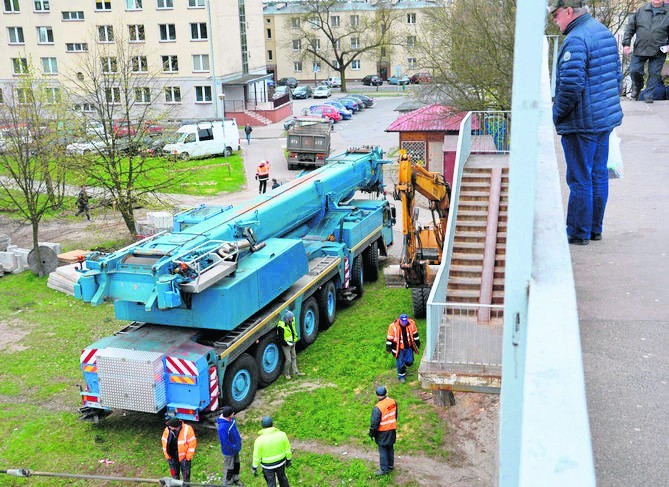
{"points": [[423, 245]]}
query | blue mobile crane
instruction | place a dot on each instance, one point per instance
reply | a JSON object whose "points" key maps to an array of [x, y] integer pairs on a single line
{"points": [[203, 301]]}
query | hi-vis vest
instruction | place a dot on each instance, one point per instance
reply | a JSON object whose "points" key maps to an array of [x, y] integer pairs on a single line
{"points": [[262, 170], [394, 338], [186, 442], [388, 408]]}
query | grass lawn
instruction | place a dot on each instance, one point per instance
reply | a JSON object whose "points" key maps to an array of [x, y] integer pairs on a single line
{"points": [[44, 332]]}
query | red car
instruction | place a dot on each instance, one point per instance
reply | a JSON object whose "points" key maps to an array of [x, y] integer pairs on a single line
{"points": [[326, 111]]}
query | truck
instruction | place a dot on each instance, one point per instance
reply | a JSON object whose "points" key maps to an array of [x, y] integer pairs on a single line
{"points": [[202, 302], [204, 139], [308, 142]]}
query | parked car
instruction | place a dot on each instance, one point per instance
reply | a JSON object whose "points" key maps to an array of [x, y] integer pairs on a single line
{"points": [[402, 80], [152, 128], [367, 101], [123, 128], [421, 78], [303, 92], [327, 111], [322, 92], [84, 147], [281, 91], [343, 111], [334, 82], [290, 82], [372, 80], [305, 119], [350, 103]]}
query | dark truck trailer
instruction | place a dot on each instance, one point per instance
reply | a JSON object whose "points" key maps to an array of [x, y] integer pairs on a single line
{"points": [[308, 143]]}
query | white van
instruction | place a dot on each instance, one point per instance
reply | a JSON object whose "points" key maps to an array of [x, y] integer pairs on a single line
{"points": [[205, 139]]}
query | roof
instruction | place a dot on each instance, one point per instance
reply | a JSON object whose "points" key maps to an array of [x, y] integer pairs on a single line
{"points": [[431, 118]]}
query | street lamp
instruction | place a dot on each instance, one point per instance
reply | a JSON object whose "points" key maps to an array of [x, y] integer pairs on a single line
{"points": [[221, 97]]}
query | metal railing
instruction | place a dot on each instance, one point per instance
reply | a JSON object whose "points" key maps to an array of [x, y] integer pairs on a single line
{"points": [[491, 132]]}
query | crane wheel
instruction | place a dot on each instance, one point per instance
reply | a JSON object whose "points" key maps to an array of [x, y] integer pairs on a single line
{"points": [[240, 382], [371, 262], [419, 297], [327, 305]]}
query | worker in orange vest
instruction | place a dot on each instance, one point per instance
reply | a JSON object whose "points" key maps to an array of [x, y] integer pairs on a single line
{"points": [[262, 175], [383, 430], [179, 445], [403, 341]]}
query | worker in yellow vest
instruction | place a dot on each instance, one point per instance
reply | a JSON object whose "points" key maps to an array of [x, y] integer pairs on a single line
{"points": [[383, 429]]}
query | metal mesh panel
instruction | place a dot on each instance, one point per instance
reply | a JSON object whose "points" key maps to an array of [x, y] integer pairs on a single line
{"points": [[131, 379], [416, 151], [472, 335]]}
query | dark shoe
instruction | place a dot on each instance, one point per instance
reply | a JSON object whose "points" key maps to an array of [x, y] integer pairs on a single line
{"points": [[578, 241], [595, 236], [635, 93], [648, 99], [402, 380], [378, 473]]}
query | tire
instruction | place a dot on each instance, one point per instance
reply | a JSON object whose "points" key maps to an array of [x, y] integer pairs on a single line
{"points": [[240, 382], [327, 305], [227, 152], [269, 359], [371, 262], [308, 322], [292, 167], [184, 156], [419, 297], [358, 276]]}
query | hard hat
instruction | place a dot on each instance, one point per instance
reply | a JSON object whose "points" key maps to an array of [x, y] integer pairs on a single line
{"points": [[266, 422], [404, 319], [288, 315], [381, 391]]}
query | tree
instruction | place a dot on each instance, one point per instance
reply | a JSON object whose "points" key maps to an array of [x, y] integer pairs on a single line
{"points": [[32, 158], [114, 82], [345, 39], [469, 49]]}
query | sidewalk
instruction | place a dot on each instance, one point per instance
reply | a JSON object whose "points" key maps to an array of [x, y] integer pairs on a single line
{"points": [[623, 308]]}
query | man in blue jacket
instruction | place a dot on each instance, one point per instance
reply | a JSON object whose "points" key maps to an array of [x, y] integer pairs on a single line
{"points": [[586, 108], [231, 445]]}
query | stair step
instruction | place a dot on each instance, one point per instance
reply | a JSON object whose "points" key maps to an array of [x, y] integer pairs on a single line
{"points": [[463, 293], [464, 281], [483, 214], [466, 268], [471, 256], [457, 246], [470, 223]]}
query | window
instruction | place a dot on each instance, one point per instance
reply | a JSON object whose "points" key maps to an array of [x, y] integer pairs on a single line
{"points": [[24, 95], [76, 47], [42, 6], [297, 44], [203, 94], [269, 33], [168, 32], [108, 64], [136, 33], [355, 64], [411, 41], [19, 65], [49, 65], [170, 64], [143, 95], [139, 64], [52, 95], [334, 21], [383, 52], [411, 18], [355, 42], [297, 66], [165, 4], [411, 62], [44, 35], [200, 62], [335, 64], [295, 22], [113, 95], [73, 15], [15, 35], [269, 55], [84, 107], [337, 44], [103, 6], [205, 134], [355, 20], [316, 67], [195, 3], [133, 4], [315, 22], [106, 33], [172, 94], [198, 32], [12, 6], [316, 44]]}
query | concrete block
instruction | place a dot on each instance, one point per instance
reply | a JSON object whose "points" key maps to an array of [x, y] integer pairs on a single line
{"points": [[56, 247], [7, 261]]}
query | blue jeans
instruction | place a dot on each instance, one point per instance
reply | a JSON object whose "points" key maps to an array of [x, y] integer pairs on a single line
{"points": [[655, 64], [386, 457], [588, 180], [404, 360]]}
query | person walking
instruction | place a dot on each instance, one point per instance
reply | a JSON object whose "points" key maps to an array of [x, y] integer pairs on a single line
{"points": [[82, 203], [231, 445], [272, 452], [179, 443], [247, 130], [262, 175], [586, 108], [383, 430], [287, 333], [650, 25], [403, 341]]}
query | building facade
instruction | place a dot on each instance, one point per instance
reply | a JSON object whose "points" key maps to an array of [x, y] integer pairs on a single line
{"points": [[285, 51], [201, 58]]}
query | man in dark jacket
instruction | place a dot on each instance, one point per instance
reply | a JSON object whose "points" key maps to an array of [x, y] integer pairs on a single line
{"points": [[586, 108], [231, 445], [383, 428], [650, 24]]}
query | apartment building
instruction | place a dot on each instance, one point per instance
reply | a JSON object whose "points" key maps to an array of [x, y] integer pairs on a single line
{"points": [[203, 57], [285, 52]]}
